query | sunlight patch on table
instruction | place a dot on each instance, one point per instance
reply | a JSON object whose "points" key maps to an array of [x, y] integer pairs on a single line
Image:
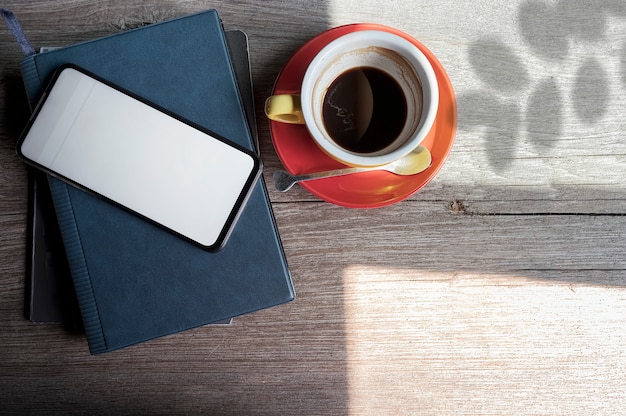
{"points": [[507, 341]]}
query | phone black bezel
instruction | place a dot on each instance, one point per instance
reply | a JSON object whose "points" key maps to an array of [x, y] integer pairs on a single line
{"points": [[237, 208]]}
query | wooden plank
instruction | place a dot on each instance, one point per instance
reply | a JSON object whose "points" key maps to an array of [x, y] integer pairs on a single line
{"points": [[430, 236]]}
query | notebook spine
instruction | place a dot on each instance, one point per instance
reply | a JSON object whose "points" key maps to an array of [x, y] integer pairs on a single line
{"points": [[78, 266]]}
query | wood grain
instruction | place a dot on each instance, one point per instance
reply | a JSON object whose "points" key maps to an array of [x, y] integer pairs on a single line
{"points": [[497, 289]]}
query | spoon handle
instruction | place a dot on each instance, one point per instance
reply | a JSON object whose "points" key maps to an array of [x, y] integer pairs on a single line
{"points": [[285, 180]]}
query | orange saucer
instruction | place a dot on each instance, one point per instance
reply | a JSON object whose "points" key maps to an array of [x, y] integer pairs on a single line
{"points": [[299, 153]]}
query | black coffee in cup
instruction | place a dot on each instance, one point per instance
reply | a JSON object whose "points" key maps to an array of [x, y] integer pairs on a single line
{"points": [[364, 110]]}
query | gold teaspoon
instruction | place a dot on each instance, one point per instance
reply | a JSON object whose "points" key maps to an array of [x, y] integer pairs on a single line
{"points": [[413, 163]]}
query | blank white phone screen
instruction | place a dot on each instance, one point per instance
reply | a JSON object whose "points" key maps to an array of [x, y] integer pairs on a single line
{"points": [[137, 156]]}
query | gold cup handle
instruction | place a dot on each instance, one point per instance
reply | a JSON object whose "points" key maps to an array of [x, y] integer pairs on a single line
{"points": [[285, 108]]}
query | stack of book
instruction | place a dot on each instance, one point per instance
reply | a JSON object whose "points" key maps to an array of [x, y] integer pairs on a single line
{"points": [[133, 280]]}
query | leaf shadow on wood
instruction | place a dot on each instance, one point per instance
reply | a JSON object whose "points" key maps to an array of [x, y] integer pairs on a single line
{"points": [[550, 30]]}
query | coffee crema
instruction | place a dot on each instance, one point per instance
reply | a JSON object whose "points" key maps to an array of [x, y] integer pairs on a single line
{"points": [[364, 110]]}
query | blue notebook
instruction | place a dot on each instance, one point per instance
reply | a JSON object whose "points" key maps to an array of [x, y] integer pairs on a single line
{"points": [[49, 291], [133, 280]]}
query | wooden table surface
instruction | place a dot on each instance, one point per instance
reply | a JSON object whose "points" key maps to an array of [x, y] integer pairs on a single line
{"points": [[500, 288]]}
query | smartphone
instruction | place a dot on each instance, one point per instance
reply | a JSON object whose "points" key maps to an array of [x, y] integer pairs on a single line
{"points": [[103, 139]]}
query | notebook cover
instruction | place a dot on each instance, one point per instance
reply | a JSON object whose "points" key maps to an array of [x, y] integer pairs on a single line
{"points": [[133, 280], [49, 293]]}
